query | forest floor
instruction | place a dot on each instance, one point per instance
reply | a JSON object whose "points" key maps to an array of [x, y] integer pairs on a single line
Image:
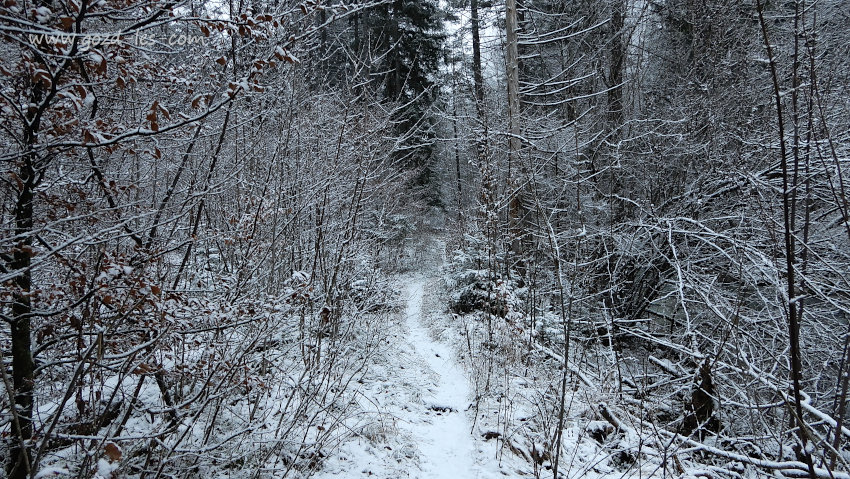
{"points": [[417, 396]]}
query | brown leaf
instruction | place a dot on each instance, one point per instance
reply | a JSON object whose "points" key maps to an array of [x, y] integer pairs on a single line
{"points": [[151, 116], [113, 452], [67, 22], [143, 368]]}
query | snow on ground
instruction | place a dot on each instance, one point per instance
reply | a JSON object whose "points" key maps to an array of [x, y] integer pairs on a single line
{"points": [[446, 444], [416, 402], [418, 411]]}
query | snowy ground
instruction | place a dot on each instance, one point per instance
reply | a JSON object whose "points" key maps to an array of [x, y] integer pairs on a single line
{"points": [[417, 398], [419, 415]]}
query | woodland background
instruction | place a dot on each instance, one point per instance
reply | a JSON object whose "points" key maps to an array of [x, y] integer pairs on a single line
{"points": [[643, 199]]}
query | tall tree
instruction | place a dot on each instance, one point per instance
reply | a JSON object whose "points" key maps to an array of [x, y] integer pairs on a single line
{"points": [[406, 43]]}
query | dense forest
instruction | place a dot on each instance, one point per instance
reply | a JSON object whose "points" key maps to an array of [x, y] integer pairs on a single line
{"points": [[632, 214]]}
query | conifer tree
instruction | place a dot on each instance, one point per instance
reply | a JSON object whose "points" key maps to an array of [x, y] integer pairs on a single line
{"points": [[406, 44]]}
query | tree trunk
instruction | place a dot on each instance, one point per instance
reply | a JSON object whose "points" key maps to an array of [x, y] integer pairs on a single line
{"points": [[517, 211], [512, 64], [459, 184], [23, 369], [615, 74], [477, 76], [481, 141]]}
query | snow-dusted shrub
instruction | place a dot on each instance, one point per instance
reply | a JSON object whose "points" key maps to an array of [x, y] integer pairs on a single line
{"points": [[474, 287]]}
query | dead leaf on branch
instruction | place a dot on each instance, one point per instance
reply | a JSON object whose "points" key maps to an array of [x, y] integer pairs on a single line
{"points": [[113, 452]]}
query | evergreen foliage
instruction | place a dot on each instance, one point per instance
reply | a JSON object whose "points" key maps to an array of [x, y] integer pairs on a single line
{"points": [[405, 42]]}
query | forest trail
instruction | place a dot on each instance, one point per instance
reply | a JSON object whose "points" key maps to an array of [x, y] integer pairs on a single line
{"points": [[445, 442], [417, 398]]}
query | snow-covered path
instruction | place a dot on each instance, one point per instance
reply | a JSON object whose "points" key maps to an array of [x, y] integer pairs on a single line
{"points": [[446, 445], [416, 420]]}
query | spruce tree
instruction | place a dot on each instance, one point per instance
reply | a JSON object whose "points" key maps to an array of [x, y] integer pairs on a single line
{"points": [[406, 42]]}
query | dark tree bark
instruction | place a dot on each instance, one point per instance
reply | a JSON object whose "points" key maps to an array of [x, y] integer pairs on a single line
{"points": [[23, 378], [616, 67], [23, 368], [478, 77]]}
